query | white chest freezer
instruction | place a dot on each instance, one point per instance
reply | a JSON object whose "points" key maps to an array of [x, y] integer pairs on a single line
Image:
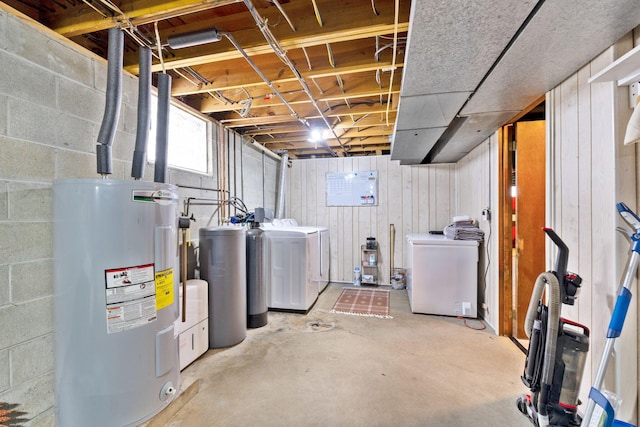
{"points": [[442, 275]]}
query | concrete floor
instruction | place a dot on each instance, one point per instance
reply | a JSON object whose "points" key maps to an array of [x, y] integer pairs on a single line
{"points": [[324, 369]]}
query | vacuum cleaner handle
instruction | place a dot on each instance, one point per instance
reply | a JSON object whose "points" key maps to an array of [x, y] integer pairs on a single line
{"points": [[563, 254]]}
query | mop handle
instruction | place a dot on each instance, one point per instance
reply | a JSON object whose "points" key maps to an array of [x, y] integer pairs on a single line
{"points": [[628, 215], [619, 313]]}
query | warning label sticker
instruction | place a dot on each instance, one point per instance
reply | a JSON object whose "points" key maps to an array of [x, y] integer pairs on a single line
{"points": [[130, 297], [164, 288]]}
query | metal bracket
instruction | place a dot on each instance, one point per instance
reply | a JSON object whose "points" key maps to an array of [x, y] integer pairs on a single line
{"points": [[634, 92]]}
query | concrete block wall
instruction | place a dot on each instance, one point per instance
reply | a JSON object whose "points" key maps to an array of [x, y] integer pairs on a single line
{"points": [[52, 98]]}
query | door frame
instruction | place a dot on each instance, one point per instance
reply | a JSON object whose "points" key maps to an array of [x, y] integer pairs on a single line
{"points": [[506, 135]]}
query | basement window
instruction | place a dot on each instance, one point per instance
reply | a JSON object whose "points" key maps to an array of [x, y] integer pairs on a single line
{"points": [[188, 139]]}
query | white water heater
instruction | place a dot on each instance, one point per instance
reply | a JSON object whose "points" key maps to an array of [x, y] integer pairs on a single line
{"points": [[115, 300]]}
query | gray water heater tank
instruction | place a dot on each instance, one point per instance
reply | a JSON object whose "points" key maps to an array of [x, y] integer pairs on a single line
{"points": [[222, 254], [115, 301]]}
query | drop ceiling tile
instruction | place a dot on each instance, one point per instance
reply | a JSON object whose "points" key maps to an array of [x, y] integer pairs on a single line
{"points": [[453, 43], [574, 32], [426, 111], [413, 145], [474, 130]]}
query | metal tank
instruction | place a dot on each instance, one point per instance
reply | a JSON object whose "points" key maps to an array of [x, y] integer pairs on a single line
{"points": [[223, 265], [256, 280], [115, 301]]}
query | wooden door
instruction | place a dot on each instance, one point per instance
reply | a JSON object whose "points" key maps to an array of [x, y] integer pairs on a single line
{"points": [[529, 214]]}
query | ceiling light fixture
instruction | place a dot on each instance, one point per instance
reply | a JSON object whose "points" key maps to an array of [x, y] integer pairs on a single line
{"points": [[318, 135]]}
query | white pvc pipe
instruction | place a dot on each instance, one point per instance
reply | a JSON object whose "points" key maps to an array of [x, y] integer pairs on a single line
{"points": [[281, 184]]}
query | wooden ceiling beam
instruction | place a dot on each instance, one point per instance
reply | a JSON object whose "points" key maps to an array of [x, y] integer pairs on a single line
{"points": [[364, 122], [83, 19], [229, 78], [278, 143], [372, 131], [276, 130], [309, 112], [216, 105], [351, 21]]}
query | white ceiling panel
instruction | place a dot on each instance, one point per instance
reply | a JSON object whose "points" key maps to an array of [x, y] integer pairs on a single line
{"points": [[474, 130], [561, 38], [426, 111], [506, 53], [453, 43], [412, 146]]}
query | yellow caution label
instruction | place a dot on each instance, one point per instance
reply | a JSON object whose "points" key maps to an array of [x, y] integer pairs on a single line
{"points": [[164, 289]]}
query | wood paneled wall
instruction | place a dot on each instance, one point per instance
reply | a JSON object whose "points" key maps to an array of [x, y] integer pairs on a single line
{"points": [[589, 170], [415, 199], [477, 189]]}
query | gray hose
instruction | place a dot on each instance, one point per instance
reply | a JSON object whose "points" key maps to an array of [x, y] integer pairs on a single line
{"points": [[144, 104], [536, 295], [162, 127], [112, 102], [553, 319]]}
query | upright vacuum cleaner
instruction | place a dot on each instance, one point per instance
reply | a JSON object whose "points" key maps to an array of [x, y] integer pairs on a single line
{"points": [[557, 348]]}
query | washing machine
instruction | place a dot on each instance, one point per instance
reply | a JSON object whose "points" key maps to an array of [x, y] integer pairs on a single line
{"points": [[291, 257], [324, 254]]}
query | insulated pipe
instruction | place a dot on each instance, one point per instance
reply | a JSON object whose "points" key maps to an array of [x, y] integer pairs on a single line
{"points": [[144, 103], [162, 127], [112, 101], [194, 38], [283, 174]]}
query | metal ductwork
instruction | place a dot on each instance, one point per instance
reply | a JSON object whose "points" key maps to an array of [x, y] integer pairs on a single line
{"points": [[162, 127], [112, 103], [144, 104]]}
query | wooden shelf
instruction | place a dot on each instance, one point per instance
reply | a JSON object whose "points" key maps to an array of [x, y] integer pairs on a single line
{"points": [[624, 71]]}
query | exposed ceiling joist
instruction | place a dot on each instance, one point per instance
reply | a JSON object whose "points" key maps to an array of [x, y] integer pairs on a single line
{"points": [[85, 19], [336, 76]]}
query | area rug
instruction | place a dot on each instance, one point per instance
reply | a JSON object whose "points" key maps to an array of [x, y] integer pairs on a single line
{"points": [[363, 302]]}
